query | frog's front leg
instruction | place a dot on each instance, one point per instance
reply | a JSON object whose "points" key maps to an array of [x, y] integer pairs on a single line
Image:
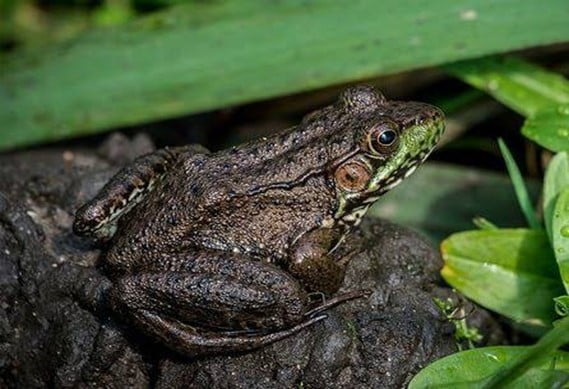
{"points": [[212, 302], [98, 217]]}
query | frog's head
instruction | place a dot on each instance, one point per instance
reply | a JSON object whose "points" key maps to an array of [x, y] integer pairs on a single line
{"points": [[394, 138]]}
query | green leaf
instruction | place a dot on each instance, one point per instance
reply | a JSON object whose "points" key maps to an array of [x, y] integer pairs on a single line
{"points": [[468, 369], [562, 305], [549, 128], [463, 333], [524, 87], [211, 54], [519, 186], [536, 93], [556, 179], [560, 235], [515, 368], [483, 223], [510, 271]]}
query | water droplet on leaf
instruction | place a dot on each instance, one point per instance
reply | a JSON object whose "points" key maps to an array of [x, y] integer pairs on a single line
{"points": [[564, 231]]}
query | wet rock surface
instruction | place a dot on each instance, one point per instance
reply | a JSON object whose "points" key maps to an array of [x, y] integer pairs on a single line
{"points": [[51, 334]]}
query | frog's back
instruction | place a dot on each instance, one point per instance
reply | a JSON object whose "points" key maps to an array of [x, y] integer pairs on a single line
{"points": [[255, 198], [208, 201]]}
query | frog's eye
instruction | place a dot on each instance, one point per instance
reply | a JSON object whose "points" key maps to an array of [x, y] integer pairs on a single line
{"points": [[383, 138]]}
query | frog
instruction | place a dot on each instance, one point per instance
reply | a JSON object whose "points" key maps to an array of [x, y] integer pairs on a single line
{"points": [[229, 251]]}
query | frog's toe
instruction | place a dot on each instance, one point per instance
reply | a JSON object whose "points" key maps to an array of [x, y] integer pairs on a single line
{"points": [[330, 303]]}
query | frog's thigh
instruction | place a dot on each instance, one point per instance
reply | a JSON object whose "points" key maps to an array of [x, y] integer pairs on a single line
{"points": [[208, 300]]}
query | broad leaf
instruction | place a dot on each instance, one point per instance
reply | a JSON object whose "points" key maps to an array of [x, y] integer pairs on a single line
{"points": [[510, 271], [470, 369], [542, 350], [549, 128], [560, 235], [556, 179], [524, 87]]}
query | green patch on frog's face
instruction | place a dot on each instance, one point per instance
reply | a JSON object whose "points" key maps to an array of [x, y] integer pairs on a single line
{"points": [[394, 147], [415, 145]]}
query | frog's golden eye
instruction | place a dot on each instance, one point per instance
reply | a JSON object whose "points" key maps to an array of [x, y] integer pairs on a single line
{"points": [[383, 138]]}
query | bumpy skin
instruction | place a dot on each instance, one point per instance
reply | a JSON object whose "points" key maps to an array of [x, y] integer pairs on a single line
{"points": [[221, 250]]}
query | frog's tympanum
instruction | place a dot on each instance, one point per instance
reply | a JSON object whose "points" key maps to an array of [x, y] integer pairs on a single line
{"points": [[224, 252]]}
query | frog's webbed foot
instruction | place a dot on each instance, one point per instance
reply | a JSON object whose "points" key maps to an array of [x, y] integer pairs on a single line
{"points": [[98, 217], [336, 300]]}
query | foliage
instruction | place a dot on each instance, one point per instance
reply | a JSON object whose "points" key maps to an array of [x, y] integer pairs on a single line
{"points": [[538, 366], [518, 273], [511, 271], [210, 54], [461, 194], [456, 315]]}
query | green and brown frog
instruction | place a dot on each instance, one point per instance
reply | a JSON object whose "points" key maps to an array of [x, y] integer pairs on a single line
{"points": [[221, 252]]}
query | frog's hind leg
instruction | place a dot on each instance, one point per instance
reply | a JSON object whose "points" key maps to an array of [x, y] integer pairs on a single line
{"points": [[213, 303], [98, 217]]}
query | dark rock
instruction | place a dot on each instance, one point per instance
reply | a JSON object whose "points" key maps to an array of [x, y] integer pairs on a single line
{"points": [[51, 333]]}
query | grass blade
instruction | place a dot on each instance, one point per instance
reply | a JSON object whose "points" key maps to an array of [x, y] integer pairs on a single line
{"points": [[519, 186], [550, 342]]}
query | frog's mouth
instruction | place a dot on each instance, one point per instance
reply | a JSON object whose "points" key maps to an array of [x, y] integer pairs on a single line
{"points": [[417, 143]]}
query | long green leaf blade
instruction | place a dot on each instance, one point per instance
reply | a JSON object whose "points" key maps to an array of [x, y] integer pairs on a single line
{"points": [[522, 86], [519, 186], [207, 55]]}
